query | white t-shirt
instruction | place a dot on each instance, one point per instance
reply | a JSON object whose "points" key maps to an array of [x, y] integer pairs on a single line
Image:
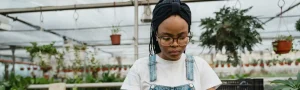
{"points": [[170, 73]]}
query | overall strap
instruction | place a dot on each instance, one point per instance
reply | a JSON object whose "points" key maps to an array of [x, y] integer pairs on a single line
{"points": [[152, 68], [190, 67]]}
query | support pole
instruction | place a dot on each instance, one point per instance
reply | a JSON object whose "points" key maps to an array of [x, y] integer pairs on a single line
{"points": [[136, 33], [13, 48]]}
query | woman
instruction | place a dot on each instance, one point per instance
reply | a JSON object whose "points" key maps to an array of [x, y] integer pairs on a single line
{"points": [[169, 68]]}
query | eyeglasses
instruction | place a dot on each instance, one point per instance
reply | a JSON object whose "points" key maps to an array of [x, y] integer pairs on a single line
{"points": [[168, 41]]}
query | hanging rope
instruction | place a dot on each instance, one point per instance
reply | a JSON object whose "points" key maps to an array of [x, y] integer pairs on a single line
{"points": [[280, 17], [239, 3], [41, 20], [148, 9], [75, 16]]}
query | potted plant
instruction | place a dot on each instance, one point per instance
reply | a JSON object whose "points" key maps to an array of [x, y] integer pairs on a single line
{"points": [[28, 68], [228, 64], [34, 68], [274, 61], [115, 36], [21, 68], [217, 63], [297, 61], [281, 62], [282, 44], [254, 62], [247, 64], [288, 62], [231, 30], [222, 63], [261, 64]]}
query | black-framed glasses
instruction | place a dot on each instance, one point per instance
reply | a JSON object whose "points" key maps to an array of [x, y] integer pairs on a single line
{"points": [[168, 41]]}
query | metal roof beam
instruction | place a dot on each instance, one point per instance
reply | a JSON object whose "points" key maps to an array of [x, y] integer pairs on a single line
{"points": [[85, 6]]}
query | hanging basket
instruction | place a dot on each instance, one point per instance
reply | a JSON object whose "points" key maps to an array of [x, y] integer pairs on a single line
{"points": [[21, 68], [282, 46], [115, 39]]}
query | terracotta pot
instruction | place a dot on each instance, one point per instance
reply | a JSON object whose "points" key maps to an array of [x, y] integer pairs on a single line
{"points": [[254, 65], [281, 63], [247, 65], [46, 76], [104, 69], [34, 68], [228, 65], [296, 63], [217, 65], [125, 68], [98, 69], [21, 69], [46, 69], [115, 68], [222, 65], [261, 65], [115, 39], [268, 64], [282, 46], [28, 68]]}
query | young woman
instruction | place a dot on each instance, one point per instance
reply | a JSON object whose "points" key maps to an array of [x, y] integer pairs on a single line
{"points": [[169, 68]]}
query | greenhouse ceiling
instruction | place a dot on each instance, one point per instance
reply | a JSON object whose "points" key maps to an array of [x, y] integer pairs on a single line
{"points": [[93, 25]]}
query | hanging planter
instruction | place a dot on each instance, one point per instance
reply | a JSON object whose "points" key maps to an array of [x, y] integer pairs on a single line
{"points": [[115, 37], [268, 62], [28, 68], [289, 62], [283, 44], [232, 30], [228, 64], [261, 64], [297, 61]]}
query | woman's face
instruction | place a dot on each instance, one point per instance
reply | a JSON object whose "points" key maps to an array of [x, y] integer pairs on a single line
{"points": [[172, 37]]}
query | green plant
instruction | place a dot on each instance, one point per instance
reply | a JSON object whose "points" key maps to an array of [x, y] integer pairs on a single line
{"points": [[254, 62], [298, 25], [231, 30], [239, 76], [109, 77], [289, 84], [284, 38], [115, 29]]}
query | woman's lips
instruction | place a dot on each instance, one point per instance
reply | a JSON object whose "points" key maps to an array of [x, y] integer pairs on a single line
{"points": [[173, 53]]}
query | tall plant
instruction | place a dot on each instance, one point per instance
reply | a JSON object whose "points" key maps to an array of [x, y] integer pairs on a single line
{"points": [[231, 30], [298, 25]]}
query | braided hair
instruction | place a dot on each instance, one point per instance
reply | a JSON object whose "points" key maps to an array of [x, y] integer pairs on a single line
{"points": [[163, 10]]}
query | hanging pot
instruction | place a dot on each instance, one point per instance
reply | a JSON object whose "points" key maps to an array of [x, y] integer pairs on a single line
{"points": [[222, 65], [28, 68], [282, 46], [34, 68], [255, 64], [217, 65], [296, 63], [228, 64], [281, 63], [21, 68], [115, 39]]}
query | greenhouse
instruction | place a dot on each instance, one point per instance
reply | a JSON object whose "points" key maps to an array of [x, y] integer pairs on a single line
{"points": [[93, 44]]}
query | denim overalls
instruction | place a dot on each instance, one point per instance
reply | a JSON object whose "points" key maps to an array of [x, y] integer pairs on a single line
{"points": [[189, 75]]}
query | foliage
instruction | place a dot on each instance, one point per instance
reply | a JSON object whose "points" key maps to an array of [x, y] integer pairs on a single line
{"points": [[232, 30], [288, 84], [284, 38], [108, 77], [115, 29], [298, 25], [254, 61], [239, 76]]}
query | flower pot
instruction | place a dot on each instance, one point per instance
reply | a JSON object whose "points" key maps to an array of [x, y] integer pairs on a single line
{"points": [[247, 65], [104, 69], [296, 63], [98, 69], [254, 65], [115, 39], [46, 76], [261, 65], [281, 63], [282, 47], [21, 69], [268, 64], [228, 65], [34, 68], [217, 65]]}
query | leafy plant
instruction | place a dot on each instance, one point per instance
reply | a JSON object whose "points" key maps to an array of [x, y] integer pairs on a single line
{"points": [[254, 61], [239, 76], [298, 25], [231, 30], [115, 29], [289, 84], [284, 38], [108, 77]]}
